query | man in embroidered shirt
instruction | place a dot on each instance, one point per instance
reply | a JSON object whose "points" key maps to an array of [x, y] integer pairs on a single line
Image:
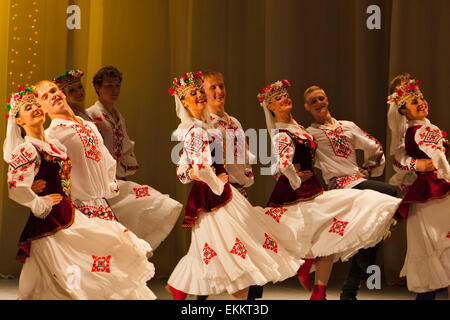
{"points": [[235, 149], [239, 169], [337, 142]]}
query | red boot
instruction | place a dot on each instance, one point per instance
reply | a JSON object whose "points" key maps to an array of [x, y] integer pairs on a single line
{"points": [[177, 294], [319, 292], [303, 273]]}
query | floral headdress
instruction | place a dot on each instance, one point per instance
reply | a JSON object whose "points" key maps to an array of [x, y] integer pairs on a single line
{"points": [[404, 92], [18, 99], [187, 82], [68, 78], [267, 93], [13, 135]]}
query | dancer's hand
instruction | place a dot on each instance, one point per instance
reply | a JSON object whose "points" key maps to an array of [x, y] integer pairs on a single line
{"points": [[305, 175], [425, 165], [55, 197], [223, 177], [364, 173], [38, 186], [194, 177]]}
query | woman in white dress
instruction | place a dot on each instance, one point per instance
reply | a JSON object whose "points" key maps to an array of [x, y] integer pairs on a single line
{"points": [[336, 223], [231, 245], [65, 254], [426, 202]]}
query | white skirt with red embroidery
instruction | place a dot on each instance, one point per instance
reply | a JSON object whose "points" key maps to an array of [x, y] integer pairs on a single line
{"points": [[339, 222], [427, 262], [93, 259], [147, 212], [231, 249]]}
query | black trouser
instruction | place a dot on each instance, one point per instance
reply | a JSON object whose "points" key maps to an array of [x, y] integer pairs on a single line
{"points": [[364, 257], [253, 293]]}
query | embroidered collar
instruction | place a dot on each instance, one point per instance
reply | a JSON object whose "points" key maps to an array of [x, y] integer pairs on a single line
{"points": [[53, 147], [322, 126], [56, 122], [424, 122], [295, 129], [217, 117], [108, 113]]}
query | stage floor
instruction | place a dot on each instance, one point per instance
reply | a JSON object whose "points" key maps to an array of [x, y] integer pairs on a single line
{"points": [[287, 290]]}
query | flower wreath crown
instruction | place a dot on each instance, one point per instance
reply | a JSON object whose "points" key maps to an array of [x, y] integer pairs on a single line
{"points": [[406, 91], [267, 93], [68, 78], [23, 97], [187, 82]]}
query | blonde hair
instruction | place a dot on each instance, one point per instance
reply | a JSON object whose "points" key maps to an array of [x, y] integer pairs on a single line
{"points": [[213, 73], [310, 90], [40, 83]]}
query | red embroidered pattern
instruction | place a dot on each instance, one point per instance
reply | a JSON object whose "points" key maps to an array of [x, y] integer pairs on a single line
{"points": [[141, 192], [239, 249], [208, 253], [338, 141], [411, 167], [432, 138], [270, 244], [185, 176], [281, 145], [342, 182], [101, 264], [448, 235], [11, 184], [20, 160], [65, 166], [101, 212], [89, 140], [276, 213], [338, 227], [195, 144]]}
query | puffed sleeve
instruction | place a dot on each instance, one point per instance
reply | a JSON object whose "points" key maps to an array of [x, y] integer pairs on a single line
{"points": [[374, 160], [284, 149], [196, 147], [430, 140], [23, 167]]}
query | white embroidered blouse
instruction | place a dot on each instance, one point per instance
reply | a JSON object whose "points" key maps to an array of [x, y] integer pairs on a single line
{"points": [[284, 150], [23, 168], [196, 158]]}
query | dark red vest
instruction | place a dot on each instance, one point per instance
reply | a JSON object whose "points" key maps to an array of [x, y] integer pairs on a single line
{"points": [[56, 173], [202, 199], [283, 194], [427, 185]]}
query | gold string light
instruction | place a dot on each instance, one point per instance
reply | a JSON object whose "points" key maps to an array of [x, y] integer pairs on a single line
{"points": [[24, 34]]}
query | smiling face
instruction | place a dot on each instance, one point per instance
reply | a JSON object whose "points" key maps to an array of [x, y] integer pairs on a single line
{"points": [[195, 101], [30, 115], [281, 104], [415, 108], [215, 94], [75, 95], [51, 98], [316, 102], [109, 90]]}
